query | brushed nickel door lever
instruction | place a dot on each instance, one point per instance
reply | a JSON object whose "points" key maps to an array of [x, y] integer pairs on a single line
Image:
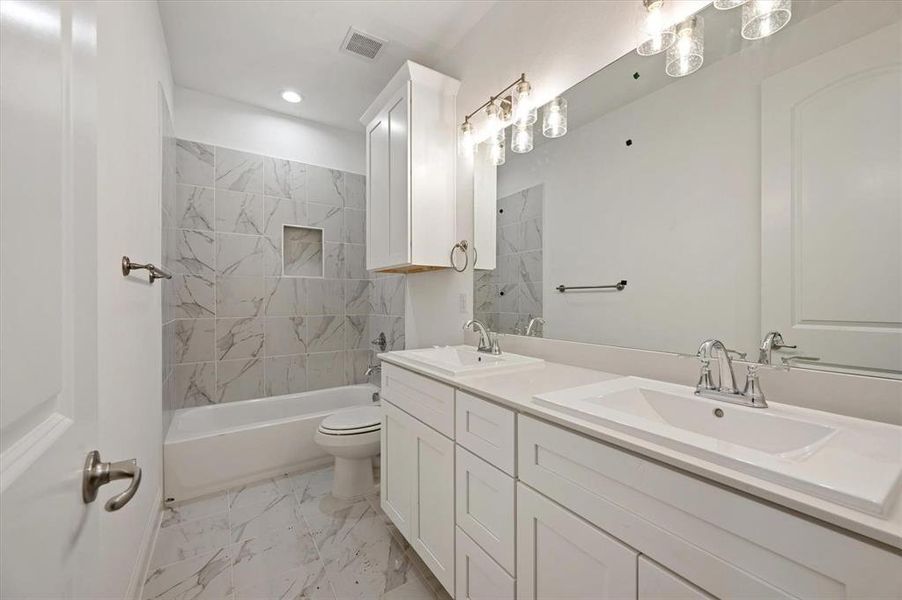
{"points": [[97, 474]]}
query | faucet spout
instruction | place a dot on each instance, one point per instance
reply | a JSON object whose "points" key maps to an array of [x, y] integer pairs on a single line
{"points": [[715, 349], [488, 342]]}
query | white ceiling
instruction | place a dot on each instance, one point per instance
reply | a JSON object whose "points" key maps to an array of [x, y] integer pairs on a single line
{"points": [[250, 50]]}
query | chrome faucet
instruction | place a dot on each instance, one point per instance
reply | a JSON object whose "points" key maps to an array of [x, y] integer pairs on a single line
{"points": [[772, 341], [726, 389], [488, 341], [531, 329]]}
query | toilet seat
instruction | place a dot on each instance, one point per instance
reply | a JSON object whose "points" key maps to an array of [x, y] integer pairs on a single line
{"points": [[358, 421]]}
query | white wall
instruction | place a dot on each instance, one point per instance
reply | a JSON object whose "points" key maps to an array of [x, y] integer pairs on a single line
{"points": [[557, 44], [219, 121], [132, 64]]}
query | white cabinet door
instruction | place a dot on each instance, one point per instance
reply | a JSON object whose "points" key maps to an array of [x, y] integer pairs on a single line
{"points": [[657, 583], [559, 555], [396, 480], [387, 144], [432, 504]]}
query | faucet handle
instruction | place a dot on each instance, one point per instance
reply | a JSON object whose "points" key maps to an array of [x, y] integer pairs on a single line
{"points": [[753, 389], [705, 381]]}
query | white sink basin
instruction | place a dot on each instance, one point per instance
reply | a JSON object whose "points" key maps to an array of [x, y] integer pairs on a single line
{"points": [[465, 360], [849, 461]]}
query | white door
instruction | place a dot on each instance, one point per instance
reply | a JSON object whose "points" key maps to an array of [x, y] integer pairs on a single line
{"points": [[831, 156], [432, 505], [48, 304], [396, 470], [559, 555]]}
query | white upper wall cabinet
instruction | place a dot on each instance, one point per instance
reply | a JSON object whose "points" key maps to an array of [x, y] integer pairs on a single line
{"points": [[410, 162]]}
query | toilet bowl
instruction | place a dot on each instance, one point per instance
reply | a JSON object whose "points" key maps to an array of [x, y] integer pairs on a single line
{"points": [[352, 437]]}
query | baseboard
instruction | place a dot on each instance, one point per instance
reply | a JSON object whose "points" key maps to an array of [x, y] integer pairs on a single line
{"points": [[148, 540]]}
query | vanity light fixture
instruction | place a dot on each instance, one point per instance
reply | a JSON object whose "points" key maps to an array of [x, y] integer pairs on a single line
{"points": [[554, 118], [521, 138], [657, 36], [494, 123], [291, 96], [467, 138], [515, 105], [728, 4], [688, 53], [522, 107], [761, 18]]}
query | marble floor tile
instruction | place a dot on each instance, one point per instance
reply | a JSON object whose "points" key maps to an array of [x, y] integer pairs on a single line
{"points": [[262, 492], [312, 485], [194, 509], [258, 561], [188, 539], [279, 515], [204, 576], [286, 537]]}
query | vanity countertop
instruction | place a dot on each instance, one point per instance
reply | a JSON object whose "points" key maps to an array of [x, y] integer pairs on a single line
{"points": [[516, 390]]}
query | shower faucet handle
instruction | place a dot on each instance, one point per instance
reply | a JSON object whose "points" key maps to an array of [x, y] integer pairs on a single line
{"points": [[380, 342]]}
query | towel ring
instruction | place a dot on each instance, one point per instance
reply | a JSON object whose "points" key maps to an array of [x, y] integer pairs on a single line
{"points": [[463, 246]]}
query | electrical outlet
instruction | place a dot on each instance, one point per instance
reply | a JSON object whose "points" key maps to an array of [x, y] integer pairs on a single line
{"points": [[462, 300]]}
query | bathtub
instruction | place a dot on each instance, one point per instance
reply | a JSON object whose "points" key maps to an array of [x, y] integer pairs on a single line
{"points": [[210, 448]]}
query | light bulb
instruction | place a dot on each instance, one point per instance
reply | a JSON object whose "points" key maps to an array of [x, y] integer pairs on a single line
{"points": [[761, 18], [291, 96], [467, 138], [521, 139], [688, 53], [522, 109], [493, 122], [554, 118], [657, 36]]}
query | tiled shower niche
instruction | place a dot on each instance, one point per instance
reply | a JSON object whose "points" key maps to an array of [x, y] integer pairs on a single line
{"points": [[249, 316], [302, 251]]}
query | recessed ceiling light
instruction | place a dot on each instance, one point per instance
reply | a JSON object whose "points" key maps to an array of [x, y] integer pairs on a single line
{"points": [[291, 96]]}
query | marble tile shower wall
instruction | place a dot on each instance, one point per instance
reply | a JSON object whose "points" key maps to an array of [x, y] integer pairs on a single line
{"points": [[240, 329], [507, 297]]}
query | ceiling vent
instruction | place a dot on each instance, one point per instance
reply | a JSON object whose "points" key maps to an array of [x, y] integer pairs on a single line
{"points": [[362, 44]]}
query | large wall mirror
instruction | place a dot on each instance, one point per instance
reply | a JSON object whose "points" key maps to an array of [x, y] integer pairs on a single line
{"points": [[762, 192]]}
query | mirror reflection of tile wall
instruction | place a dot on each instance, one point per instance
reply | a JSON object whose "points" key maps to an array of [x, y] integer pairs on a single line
{"points": [[507, 297], [241, 326]]}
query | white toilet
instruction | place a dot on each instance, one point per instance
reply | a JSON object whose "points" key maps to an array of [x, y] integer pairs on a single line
{"points": [[352, 437]]}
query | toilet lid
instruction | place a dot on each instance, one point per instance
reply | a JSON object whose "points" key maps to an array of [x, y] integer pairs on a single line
{"points": [[358, 420]]}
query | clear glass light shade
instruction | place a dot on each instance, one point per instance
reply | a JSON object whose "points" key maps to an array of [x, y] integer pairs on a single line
{"points": [[466, 138], [496, 151], [657, 36], [494, 123], [688, 53], [521, 138], [554, 118], [761, 18], [522, 109], [728, 4]]}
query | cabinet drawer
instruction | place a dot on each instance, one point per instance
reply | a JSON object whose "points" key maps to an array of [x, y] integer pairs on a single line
{"points": [[657, 583], [429, 401], [478, 576], [728, 544], [485, 506], [487, 430]]}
